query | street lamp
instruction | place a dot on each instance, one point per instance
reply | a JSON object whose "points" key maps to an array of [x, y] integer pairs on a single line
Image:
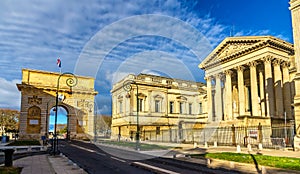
{"points": [[47, 119], [71, 82], [127, 87]]}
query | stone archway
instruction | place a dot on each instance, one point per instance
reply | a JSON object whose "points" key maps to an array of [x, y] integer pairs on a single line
{"points": [[62, 121], [38, 96]]}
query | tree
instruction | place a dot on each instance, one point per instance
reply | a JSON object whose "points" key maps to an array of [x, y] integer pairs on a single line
{"points": [[9, 120]]}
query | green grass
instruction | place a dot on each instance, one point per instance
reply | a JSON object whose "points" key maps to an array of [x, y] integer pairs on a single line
{"points": [[262, 160], [10, 170], [24, 143], [143, 146]]}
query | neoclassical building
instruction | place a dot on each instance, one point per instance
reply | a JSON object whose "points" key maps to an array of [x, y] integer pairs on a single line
{"points": [[166, 107], [250, 77]]}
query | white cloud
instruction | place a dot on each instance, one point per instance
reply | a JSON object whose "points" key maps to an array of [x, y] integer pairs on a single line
{"points": [[10, 96], [34, 33]]}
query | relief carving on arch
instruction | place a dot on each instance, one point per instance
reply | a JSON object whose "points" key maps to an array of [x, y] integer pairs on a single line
{"points": [[34, 100]]}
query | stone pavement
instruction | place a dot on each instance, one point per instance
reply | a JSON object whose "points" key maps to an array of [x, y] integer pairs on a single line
{"points": [[46, 164]]}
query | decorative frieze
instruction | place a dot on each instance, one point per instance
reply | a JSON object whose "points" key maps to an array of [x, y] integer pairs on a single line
{"points": [[34, 100]]}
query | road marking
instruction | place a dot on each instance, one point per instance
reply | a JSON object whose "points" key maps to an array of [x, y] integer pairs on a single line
{"points": [[103, 154], [118, 159], [147, 166], [89, 150]]}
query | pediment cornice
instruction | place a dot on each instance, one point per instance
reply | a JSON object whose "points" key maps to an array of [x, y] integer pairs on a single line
{"points": [[234, 47]]}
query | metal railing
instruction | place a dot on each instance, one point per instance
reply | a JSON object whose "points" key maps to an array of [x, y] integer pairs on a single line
{"points": [[279, 136]]}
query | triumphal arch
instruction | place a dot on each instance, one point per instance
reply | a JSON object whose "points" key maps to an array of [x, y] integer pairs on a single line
{"points": [[38, 96]]}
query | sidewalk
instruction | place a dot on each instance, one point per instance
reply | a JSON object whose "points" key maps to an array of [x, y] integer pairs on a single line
{"points": [[46, 164], [190, 148]]}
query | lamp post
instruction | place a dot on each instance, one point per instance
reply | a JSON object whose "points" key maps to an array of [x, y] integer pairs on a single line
{"points": [[71, 82], [47, 119], [127, 85]]}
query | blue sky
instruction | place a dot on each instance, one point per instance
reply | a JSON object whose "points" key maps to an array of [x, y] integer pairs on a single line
{"points": [[61, 116], [105, 39]]}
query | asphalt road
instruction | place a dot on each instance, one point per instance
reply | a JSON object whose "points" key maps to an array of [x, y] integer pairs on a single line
{"points": [[94, 160], [103, 159]]}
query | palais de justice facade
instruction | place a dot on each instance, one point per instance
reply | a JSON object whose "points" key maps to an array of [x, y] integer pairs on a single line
{"points": [[250, 81]]}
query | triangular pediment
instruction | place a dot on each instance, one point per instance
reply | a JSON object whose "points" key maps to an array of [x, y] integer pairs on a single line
{"points": [[233, 47]]}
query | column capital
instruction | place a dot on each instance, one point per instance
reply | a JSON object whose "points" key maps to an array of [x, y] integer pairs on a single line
{"points": [[285, 64], [208, 78], [228, 72], [240, 68], [252, 64], [277, 62], [267, 59], [219, 76]]}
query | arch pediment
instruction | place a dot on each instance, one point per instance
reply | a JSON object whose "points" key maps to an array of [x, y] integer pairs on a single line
{"points": [[181, 98], [158, 97], [234, 47]]}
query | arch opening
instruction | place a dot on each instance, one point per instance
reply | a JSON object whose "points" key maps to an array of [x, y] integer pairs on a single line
{"points": [[62, 126]]}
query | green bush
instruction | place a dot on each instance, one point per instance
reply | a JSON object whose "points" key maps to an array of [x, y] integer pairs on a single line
{"points": [[25, 143]]}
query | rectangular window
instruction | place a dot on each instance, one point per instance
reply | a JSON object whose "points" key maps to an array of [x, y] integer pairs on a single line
{"points": [[157, 130], [140, 104], [190, 108], [157, 106], [120, 107], [200, 108], [171, 107], [180, 107]]}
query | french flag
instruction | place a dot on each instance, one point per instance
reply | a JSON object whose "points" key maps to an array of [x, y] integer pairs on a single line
{"points": [[58, 62]]}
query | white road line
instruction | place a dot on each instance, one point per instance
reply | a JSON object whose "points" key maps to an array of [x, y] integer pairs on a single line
{"points": [[89, 150], [118, 159], [103, 154], [154, 168]]}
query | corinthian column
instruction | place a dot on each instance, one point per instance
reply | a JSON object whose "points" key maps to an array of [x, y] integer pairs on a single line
{"points": [[286, 90], [240, 74], [254, 91], [219, 111], [228, 100], [209, 98], [269, 86], [262, 92], [278, 88]]}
